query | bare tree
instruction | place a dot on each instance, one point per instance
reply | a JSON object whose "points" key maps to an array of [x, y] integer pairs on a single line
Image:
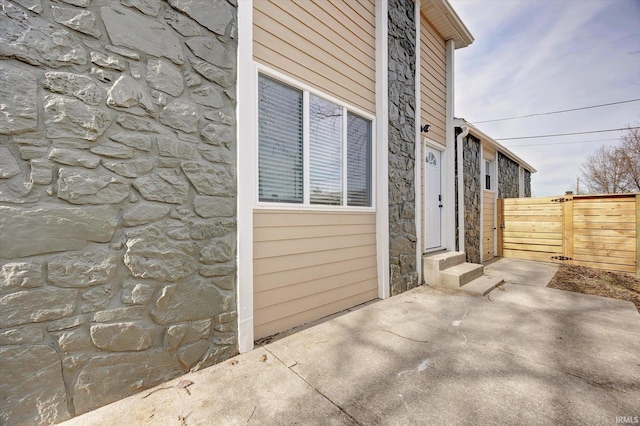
{"points": [[630, 152], [614, 169], [603, 171]]}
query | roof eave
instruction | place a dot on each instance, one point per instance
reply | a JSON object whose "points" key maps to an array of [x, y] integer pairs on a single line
{"points": [[458, 122], [447, 22]]}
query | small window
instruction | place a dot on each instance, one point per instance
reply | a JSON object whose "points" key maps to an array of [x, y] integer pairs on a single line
{"points": [[431, 159], [338, 149], [488, 171]]}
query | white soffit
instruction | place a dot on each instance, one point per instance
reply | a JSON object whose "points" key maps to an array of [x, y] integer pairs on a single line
{"points": [[447, 22]]}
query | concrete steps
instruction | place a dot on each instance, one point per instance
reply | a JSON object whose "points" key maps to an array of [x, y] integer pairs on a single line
{"points": [[450, 270], [482, 285], [459, 275]]}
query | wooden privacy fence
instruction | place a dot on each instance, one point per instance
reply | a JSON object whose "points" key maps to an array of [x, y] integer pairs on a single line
{"points": [[599, 231]]}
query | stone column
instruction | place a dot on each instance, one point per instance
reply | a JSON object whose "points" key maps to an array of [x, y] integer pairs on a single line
{"points": [[472, 194], [402, 105]]}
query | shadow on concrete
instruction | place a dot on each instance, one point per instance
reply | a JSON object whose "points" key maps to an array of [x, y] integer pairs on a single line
{"points": [[523, 355]]}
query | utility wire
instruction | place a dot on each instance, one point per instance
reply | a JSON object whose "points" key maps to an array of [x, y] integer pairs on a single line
{"points": [[563, 143], [566, 134], [557, 112]]}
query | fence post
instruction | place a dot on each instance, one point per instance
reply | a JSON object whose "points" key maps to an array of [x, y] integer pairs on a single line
{"points": [[567, 229], [638, 235], [500, 242]]}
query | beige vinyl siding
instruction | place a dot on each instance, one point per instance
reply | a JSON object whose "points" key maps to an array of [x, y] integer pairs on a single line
{"points": [[489, 153], [433, 91], [308, 265], [488, 223], [327, 44]]}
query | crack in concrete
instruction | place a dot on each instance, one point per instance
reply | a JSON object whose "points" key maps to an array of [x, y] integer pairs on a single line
{"points": [[254, 410], [405, 337], [560, 370], [342, 410]]}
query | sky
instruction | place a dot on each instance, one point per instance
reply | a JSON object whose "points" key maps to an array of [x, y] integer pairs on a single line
{"points": [[537, 56]]}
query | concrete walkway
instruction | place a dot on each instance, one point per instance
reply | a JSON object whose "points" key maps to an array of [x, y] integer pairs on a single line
{"points": [[525, 354]]}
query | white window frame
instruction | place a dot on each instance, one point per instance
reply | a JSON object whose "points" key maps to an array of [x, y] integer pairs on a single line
{"points": [[491, 172], [306, 91]]}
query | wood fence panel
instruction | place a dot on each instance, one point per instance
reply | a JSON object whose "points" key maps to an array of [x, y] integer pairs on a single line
{"points": [[596, 242], [531, 229], [596, 231], [638, 235]]}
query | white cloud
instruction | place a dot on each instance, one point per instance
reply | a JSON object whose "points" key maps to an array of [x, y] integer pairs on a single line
{"points": [[535, 56]]}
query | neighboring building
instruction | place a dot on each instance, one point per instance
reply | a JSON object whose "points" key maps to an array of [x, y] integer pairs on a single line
{"points": [[179, 179], [490, 171]]}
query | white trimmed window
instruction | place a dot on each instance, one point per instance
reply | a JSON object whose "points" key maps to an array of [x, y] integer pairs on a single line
{"points": [[489, 180], [311, 150]]}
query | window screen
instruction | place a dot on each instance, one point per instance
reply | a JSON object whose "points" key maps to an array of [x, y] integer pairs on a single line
{"points": [[325, 151], [280, 132], [333, 154], [358, 161], [488, 173]]}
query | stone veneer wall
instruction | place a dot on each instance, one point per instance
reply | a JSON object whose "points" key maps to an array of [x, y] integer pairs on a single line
{"points": [[472, 192], [508, 177], [117, 199], [527, 183], [402, 104]]}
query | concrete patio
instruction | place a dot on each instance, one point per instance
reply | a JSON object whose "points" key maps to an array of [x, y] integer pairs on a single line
{"points": [[524, 354]]}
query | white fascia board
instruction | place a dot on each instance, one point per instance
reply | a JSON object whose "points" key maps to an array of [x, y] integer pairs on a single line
{"points": [[382, 146], [246, 123], [458, 26], [447, 22]]}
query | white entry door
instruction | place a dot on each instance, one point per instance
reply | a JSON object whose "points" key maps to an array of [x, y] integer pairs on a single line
{"points": [[432, 199]]}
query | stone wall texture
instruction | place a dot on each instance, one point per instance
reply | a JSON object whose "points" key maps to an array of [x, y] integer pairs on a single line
{"points": [[402, 104], [472, 192], [508, 177], [527, 183], [117, 199]]}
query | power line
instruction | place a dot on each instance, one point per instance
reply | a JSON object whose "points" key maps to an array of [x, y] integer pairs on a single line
{"points": [[567, 134], [556, 112], [564, 143]]}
